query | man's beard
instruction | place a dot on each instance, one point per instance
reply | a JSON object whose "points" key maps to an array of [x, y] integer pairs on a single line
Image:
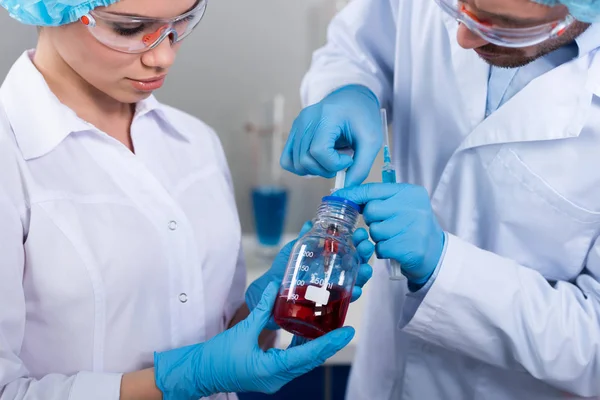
{"points": [[515, 58]]}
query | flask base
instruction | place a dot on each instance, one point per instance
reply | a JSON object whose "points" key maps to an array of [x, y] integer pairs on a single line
{"points": [[308, 319]]}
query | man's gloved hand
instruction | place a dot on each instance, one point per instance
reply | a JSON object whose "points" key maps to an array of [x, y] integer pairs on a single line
{"points": [[402, 224], [275, 274], [348, 117], [233, 362]]}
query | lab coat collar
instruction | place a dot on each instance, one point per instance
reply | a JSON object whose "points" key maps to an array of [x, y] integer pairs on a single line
{"points": [[552, 106], [471, 74], [41, 122], [174, 121], [152, 107], [38, 119]]}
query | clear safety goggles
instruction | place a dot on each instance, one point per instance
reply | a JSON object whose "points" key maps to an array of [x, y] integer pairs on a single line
{"points": [[131, 34], [500, 35]]}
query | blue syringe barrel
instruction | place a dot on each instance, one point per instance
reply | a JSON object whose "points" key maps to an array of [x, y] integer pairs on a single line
{"points": [[388, 175]]}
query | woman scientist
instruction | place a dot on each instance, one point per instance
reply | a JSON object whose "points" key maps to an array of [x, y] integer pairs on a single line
{"points": [[119, 236]]}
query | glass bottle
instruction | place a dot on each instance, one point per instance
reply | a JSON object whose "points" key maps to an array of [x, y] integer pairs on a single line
{"points": [[321, 272]]}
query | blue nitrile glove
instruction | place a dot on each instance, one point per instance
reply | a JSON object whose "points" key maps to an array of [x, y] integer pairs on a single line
{"points": [[402, 224], [233, 362], [275, 274], [348, 117]]}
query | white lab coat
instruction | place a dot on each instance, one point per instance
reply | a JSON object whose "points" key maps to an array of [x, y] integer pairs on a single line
{"points": [[515, 310], [106, 256]]}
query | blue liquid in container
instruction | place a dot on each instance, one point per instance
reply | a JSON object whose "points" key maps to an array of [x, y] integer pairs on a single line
{"points": [[269, 203], [388, 176]]}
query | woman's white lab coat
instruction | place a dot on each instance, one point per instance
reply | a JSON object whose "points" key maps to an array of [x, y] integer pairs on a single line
{"points": [[107, 256], [515, 310]]}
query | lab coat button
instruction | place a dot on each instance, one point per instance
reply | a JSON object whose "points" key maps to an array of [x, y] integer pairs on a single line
{"points": [[183, 298], [173, 225]]}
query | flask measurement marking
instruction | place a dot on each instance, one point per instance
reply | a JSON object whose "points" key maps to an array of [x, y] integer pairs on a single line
{"points": [[296, 270]]}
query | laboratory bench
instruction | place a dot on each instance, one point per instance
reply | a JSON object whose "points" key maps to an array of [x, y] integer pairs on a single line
{"points": [[324, 383]]}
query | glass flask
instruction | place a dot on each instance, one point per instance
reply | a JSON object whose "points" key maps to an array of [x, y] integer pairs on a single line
{"points": [[317, 286]]}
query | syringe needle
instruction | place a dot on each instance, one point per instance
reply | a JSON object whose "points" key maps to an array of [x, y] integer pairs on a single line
{"points": [[384, 122]]}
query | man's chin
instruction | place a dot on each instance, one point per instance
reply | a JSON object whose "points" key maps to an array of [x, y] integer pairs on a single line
{"points": [[504, 61]]}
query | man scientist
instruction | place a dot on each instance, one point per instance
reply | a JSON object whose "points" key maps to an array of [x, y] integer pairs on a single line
{"points": [[496, 134]]}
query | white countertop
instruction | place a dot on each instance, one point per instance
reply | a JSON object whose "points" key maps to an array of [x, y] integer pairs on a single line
{"points": [[257, 265]]}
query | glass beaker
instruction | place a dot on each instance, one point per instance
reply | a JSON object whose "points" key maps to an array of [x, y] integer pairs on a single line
{"points": [[269, 206], [317, 286], [268, 195]]}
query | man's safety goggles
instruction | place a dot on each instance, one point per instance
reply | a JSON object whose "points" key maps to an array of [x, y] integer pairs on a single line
{"points": [[131, 34], [500, 35]]}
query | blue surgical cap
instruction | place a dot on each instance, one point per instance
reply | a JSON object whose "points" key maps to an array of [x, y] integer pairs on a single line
{"points": [[51, 12], [582, 10]]}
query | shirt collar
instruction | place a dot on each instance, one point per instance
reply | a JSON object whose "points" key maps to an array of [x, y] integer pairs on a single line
{"points": [[588, 40], [152, 107], [40, 122]]}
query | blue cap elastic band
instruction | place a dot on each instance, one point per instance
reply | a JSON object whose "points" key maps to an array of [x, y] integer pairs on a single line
{"points": [[51, 12]]}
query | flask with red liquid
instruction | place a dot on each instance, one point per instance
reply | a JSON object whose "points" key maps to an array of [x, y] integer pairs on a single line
{"points": [[321, 271]]}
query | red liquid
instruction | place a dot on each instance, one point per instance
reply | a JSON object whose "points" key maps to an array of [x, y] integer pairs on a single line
{"points": [[309, 320]]}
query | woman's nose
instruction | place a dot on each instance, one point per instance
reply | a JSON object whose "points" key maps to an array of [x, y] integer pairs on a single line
{"points": [[162, 56]]}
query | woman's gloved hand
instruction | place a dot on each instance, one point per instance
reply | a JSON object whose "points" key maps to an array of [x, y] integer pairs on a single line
{"points": [[275, 274], [402, 224], [233, 362], [348, 117]]}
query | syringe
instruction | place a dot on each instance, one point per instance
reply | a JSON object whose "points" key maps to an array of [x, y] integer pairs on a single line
{"points": [[340, 180], [331, 245], [388, 175], [340, 176]]}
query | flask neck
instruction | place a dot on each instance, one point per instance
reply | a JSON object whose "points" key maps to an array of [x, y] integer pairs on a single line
{"points": [[338, 216]]}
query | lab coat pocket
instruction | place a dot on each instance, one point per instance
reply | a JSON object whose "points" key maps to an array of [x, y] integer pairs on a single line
{"points": [[533, 223]]}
